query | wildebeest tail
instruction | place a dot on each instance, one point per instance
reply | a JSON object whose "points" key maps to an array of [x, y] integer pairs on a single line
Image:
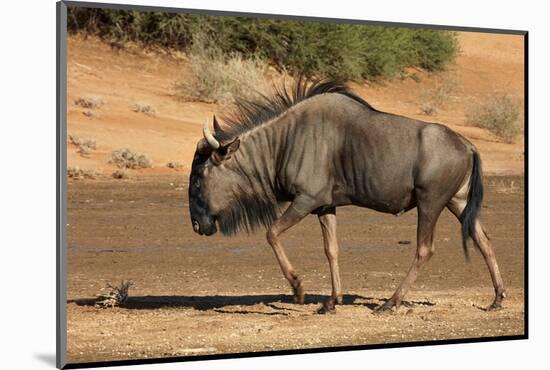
{"points": [[475, 198]]}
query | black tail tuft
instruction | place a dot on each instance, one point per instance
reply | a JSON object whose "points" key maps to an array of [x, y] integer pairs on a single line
{"points": [[475, 198]]}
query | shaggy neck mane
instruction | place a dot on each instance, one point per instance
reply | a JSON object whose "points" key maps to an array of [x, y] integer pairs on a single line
{"points": [[252, 113]]}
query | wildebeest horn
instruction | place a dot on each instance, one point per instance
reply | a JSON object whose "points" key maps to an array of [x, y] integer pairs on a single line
{"points": [[217, 128], [210, 139]]}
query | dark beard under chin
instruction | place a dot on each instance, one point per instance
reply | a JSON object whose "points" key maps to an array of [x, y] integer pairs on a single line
{"points": [[247, 214]]}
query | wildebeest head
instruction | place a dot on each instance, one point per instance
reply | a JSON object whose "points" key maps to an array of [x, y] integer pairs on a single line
{"points": [[209, 153]]}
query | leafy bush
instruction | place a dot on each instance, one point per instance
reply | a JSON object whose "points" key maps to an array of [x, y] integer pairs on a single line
{"points": [[433, 49], [152, 28], [499, 114], [322, 49]]}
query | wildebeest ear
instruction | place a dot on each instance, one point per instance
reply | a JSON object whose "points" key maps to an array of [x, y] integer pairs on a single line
{"points": [[233, 146], [224, 152]]}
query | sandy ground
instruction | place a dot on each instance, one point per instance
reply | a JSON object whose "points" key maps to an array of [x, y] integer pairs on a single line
{"points": [[196, 295]]}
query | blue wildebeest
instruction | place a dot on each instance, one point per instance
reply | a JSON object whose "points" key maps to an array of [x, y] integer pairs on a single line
{"points": [[321, 146]]}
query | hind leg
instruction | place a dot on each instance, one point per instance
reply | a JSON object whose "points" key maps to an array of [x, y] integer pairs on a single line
{"points": [[428, 213], [456, 206]]}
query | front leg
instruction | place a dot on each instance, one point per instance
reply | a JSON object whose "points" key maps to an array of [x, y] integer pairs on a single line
{"points": [[294, 214], [327, 220]]}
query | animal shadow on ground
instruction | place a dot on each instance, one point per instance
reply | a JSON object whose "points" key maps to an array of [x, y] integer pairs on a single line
{"points": [[218, 303]]}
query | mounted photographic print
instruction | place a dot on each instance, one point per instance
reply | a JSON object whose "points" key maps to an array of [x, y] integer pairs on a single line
{"points": [[236, 184]]}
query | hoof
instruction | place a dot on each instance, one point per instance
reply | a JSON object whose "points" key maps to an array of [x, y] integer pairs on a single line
{"points": [[327, 307], [495, 306], [380, 310], [497, 303], [388, 307], [324, 310]]}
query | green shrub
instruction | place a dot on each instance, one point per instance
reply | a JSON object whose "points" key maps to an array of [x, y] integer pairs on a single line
{"points": [[153, 28], [499, 114], [432, 49], [343, 51]]}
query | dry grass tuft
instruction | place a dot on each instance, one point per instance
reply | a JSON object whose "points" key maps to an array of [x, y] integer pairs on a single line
{"points": [[77, 173], [507, 187], [89, 102], [218, 78], [499, 114], [435, 99], [125, 158], [116, 296], [144, 108], [174, 165], [428, 108], [85, 146], [121, 174]]}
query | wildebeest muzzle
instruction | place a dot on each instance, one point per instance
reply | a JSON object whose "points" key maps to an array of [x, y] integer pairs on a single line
{"points": [[206, 227]]}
